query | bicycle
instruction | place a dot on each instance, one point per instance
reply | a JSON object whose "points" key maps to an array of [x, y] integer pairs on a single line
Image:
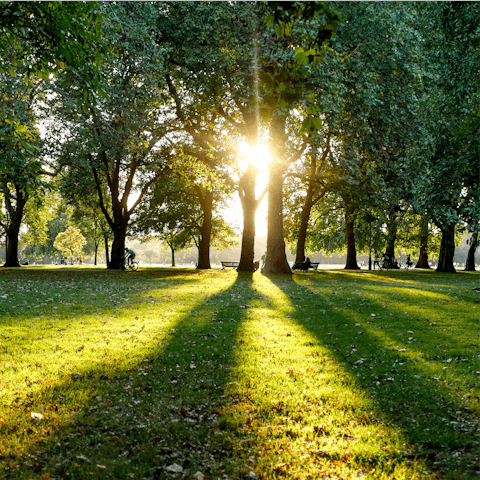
{"points": [[133, 266], [129, 264]]}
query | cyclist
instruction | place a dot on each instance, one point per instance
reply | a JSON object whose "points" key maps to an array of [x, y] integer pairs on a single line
{"points": [[129, 256]]}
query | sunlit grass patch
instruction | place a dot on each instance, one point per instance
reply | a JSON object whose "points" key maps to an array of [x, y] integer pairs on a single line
{"points": [[55, 359], [300, 414], [408, 360], [169, 373]]}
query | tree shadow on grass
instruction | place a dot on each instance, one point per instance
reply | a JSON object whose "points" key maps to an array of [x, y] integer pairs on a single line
{"points": [[153, 420], [436, 423], [418, 297]]}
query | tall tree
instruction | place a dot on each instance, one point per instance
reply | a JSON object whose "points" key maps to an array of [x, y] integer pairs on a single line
{"points": [[117, 135], [249, 202], [361, 96], [184, 208], [37, 40], [449, 157], [21, 169], [247, 79]]}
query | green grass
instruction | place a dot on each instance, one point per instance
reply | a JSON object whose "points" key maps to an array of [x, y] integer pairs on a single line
{"points": [[176, 373]]}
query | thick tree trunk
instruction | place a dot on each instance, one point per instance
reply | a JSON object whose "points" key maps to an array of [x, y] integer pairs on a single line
{"points": [[204, 251], [249, 206], [13, 229], [12, 247], [118, 246], [351, 249], [470, 262], [302, 232], [248, 242], [276, 261], [423, 257], [173, 255], [392, 237], [447, 249], [206, 232]]}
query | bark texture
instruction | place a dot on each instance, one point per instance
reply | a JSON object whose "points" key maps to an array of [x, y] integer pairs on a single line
{"points": [[302, 232], [423, 256], [118, 246], [249, 207], [447, 249], [107, 253], [13, 229], [276, 261], [392, 237], [351, 249]]}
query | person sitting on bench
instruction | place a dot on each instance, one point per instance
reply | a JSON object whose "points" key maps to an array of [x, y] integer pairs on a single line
{"points": [[306, 264]]}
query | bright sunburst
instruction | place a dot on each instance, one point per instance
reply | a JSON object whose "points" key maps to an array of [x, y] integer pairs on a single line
{"points": [[258, 155]]}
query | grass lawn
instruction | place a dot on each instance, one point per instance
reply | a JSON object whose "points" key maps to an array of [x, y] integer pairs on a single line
{"points": [[174, 373]]}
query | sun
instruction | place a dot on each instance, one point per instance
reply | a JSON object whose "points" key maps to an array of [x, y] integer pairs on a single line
{"points": [[259, 155]]}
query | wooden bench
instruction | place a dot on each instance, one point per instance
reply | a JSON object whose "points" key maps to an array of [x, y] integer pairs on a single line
{"points": [[229, 264], [298, 265]]}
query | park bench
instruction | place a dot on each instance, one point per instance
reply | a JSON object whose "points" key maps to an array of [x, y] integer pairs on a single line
{"points": [[298, 265], [229, 264]]}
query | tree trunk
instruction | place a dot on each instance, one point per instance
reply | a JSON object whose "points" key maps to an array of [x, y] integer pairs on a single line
{"points": [[13, 229], [249, 207], [107, 255], [117, 251], [470, 262], [423, 257], [206, 202], [302, 232], [447, 249], [351, 249], [392, 237], [173, 256], [96, 252], [276, 261], [12, 246]]}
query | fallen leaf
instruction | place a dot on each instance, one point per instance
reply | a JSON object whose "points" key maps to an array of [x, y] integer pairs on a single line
{"points": [[175, 468]]}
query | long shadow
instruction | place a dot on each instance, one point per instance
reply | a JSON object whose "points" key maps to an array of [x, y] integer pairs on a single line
{"points": [[150, 421], [403, 389], [427, 284]]}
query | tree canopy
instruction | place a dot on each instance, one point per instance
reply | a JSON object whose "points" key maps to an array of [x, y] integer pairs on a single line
{"points": [[137, 114]]}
